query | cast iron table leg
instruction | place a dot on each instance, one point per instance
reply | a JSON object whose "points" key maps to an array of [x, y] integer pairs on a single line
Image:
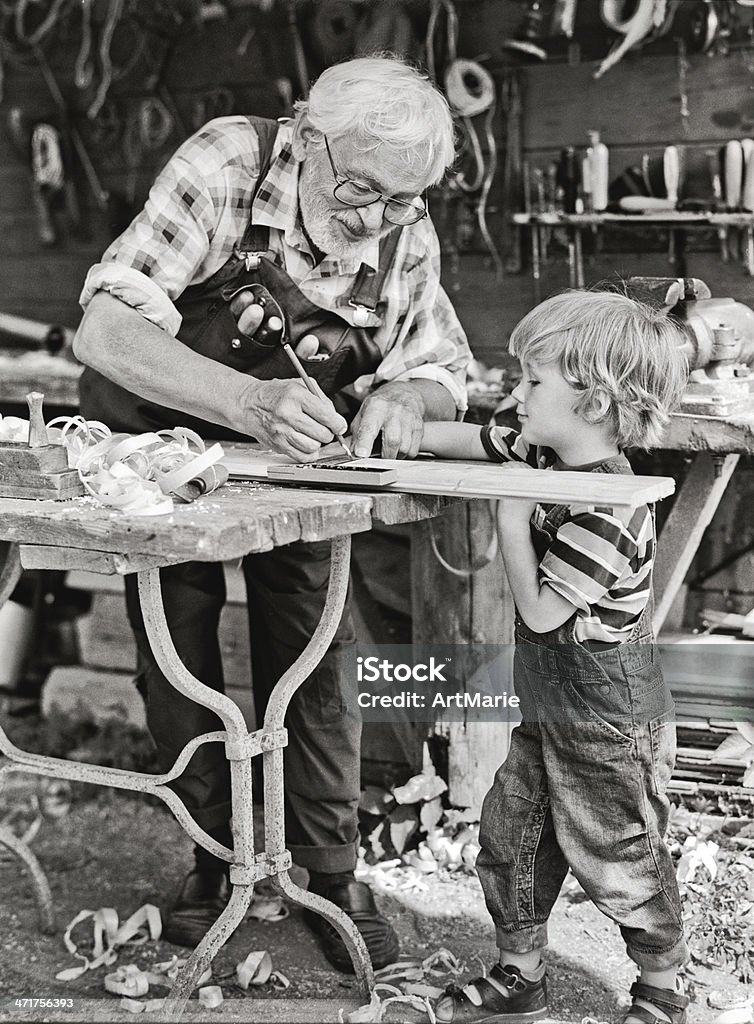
{"points": [[10, 573], [241, 746]]}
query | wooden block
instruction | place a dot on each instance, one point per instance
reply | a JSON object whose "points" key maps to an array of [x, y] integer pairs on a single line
{"points": [[53, 486], [48, 458]]}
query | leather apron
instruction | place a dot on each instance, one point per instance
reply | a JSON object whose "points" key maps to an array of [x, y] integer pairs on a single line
{"points": [[209, 328]]}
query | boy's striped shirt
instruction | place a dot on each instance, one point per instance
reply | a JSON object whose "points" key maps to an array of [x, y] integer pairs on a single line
{"points": [[598, 559]]}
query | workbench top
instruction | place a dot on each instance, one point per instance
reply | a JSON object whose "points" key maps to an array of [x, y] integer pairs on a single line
{"points": [[686, 432], [238, 519]]}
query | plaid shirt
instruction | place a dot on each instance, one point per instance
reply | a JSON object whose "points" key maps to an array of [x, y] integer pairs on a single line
{"points": [[198, 209]]}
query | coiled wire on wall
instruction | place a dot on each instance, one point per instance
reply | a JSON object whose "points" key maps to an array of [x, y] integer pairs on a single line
{"points": [[470, 90]]}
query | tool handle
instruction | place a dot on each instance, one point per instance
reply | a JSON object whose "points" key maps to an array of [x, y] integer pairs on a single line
{"points": [[671, 169], [733, 174], [37, 428], [747, 197], [298, 366]]}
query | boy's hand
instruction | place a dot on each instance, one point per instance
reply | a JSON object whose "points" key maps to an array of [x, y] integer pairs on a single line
{"points": [[514, 513]]}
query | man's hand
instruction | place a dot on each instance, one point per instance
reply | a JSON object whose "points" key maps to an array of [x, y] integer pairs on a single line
{"points": [[396, 411], [288, 418]]}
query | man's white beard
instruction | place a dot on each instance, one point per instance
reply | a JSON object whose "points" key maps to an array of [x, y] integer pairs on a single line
{"points": [[322, 229]]}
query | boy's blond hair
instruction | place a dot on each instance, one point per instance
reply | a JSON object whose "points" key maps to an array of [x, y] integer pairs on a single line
{"points": [[621, 354]]}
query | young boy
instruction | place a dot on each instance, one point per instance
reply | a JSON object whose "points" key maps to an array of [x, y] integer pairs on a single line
{"points": [[584, 782]]}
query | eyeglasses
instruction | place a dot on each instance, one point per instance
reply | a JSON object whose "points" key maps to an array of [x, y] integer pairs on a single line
{"points": [[356, 193]]}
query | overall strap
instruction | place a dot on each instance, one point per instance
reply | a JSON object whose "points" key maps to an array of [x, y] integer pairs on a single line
{"points": [[256, 237], [367, 288]]}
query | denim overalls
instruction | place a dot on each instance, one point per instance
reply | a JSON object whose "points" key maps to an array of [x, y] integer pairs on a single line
{"points": [[584, 786], [286, 587]]}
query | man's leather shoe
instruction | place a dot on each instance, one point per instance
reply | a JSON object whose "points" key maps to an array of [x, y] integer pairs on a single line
{"points": [[203, 897], [358, 902]]}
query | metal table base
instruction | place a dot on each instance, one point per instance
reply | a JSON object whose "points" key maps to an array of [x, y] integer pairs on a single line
{"points": [[246, 866]]}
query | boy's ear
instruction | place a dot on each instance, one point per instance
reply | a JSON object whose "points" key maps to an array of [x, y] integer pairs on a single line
{"points": [[598, 407]]}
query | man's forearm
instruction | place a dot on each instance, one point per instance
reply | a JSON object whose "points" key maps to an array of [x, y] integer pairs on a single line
{"points": [[116, 340]]}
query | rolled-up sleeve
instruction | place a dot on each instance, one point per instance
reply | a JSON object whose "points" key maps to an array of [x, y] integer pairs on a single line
{"points": [[423, 336], [136, 290]]}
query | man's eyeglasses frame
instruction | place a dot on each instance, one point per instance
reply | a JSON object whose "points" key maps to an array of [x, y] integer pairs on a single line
{"points": [[397, 207]]}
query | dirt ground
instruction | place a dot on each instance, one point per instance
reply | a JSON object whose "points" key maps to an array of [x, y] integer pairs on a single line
{"points": [[122, 852]]}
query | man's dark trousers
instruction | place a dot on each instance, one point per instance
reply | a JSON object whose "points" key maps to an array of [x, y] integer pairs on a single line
{"points": [[286, 590]]}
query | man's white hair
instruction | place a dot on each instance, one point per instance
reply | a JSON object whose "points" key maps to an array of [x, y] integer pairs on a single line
{"points": [[382, 100]]}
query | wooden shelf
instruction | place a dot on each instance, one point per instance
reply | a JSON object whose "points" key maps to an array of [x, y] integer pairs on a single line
{"points": [[668, 219]]}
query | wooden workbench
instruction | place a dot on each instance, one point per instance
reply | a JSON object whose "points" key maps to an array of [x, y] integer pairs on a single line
{"points": [[239, 519]]}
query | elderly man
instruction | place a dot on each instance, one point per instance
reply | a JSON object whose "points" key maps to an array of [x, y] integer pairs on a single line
{"points": [[326, 215]]}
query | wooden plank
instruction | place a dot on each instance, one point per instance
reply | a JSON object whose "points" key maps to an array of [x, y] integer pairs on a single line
{"points": [[484, 480], [41, 556], [684, 528], [475, 608]]}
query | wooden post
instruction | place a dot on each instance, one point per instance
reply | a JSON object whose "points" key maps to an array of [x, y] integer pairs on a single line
{"points": [[452, 609], [692, 512]]}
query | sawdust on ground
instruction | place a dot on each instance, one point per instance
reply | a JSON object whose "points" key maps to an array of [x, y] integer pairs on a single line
{"points": [[121, 852]]}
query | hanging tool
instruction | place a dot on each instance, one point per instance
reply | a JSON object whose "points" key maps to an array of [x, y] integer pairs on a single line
{"points": [[299, 56], [671, 169], [471, 91], [733, 162], [101, 195], [713, 163], [747, 201], [21, 133], [512, 171], [531, 33]]}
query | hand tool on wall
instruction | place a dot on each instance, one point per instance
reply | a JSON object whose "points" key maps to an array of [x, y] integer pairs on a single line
{"points": [[671, 170], [531, 33], [21, 131], [101, 195], [299, 56], [747, 201], [733, 164], [713, 163]]}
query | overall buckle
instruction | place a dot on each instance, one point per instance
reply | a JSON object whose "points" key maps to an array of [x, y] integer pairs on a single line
{"points": [[361, 312]]}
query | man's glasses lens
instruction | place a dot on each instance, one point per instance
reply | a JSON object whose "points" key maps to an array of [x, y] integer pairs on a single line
{"points": [[354, 193]]}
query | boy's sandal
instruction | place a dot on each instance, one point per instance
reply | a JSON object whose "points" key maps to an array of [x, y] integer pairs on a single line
{"points": [[671, 1003], [502, 996]]}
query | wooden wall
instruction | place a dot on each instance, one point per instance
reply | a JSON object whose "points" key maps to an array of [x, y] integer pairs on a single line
{"points": [[183, 65]]}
